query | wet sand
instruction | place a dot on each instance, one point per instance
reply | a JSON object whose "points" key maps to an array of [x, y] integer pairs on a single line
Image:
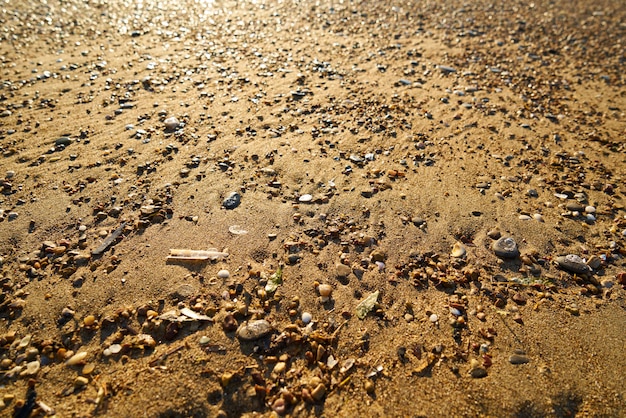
{"points": [[404, 209]]}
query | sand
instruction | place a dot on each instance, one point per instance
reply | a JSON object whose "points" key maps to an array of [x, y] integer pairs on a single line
{"points": [[373, 148]]}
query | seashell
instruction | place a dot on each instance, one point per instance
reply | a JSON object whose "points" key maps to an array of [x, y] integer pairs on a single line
{"points": [[254, 330], [458, 250]]}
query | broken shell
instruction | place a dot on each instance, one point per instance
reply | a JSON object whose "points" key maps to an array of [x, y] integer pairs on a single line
{"points": [[458, 250], [254, 330]]}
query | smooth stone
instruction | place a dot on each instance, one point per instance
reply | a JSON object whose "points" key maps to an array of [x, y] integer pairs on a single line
{"points": [[478, 372], [575, 207], [305, 198], [343, 270], [590, 209], [506, 247], [171, 123], [306, 317], [254, 330], [524, 218], [433, 318], [223, 274], [232, 200], [64, 140], [573, 264], [518, 359]]}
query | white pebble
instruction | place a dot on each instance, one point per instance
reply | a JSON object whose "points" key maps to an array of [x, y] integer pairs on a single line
{"points": [[171, 123], [223, 274], [433, 318], [115, 348], [306, 317], [76, 358], [538, 217], [524, 218], [590, 209], [305, 198]]}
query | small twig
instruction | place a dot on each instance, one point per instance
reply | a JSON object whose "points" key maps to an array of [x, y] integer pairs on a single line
{"points": [[165, 355]]}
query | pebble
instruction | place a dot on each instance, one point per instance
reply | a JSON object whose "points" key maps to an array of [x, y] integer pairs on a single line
{"points": [[343, 270], [305, 198], [478, 372], [223, 274], [524, 218], [573, 264], [232, 201], [204, 340], [433, 318], [76, 358], [574, 207], [306, 317], [319, 392], [171, 123], [325, 290], [494, 234], [518, 359], [254, 330], [538, 217], [506, 247]]}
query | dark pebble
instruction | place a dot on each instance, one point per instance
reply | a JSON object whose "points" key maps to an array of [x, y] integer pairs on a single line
{"points": [[232, 201], [518, 359], [573, 264]]}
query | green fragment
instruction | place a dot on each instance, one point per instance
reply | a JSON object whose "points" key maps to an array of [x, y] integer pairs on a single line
{"points": [[366, 305], [274, 281]]}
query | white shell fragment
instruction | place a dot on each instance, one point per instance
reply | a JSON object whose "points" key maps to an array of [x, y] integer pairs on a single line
{"points": [[254, 330], [196, 255]]}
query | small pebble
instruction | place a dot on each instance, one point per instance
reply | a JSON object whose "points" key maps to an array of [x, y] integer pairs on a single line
{"points": [[81, 381], [433, 318], [478, 372], [306, 317], [305, 198], [204, 340], [171, 123], [325, 290], [343, 270], [518, 359], [232, 201], [223, 274], [76, 358]]}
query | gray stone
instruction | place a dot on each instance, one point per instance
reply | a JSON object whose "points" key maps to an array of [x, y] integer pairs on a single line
{"points": [[506, 247], [232, 200], [573, 264], [518, 359]]}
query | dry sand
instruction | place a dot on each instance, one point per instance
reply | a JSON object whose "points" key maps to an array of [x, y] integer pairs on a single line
{"points": [[374, 148]]}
